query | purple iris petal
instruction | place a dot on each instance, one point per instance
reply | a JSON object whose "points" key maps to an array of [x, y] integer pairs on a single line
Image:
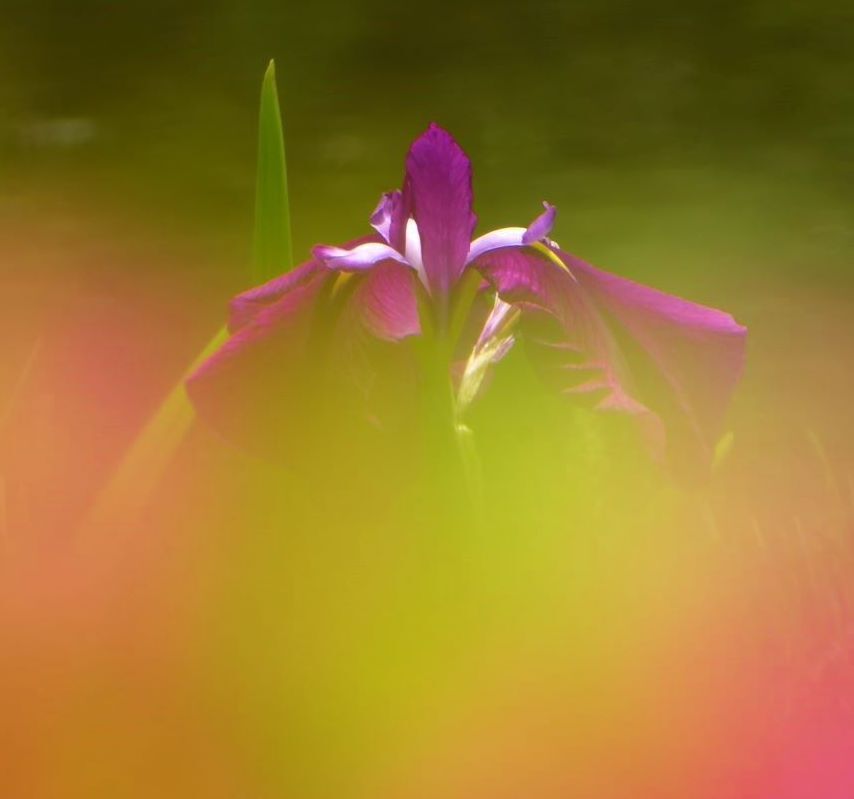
{"points": [[438, 188], [389, 219], [495, 240], [249, 390], [253, 389], [635, 349], [387, 304], [360, 258], [542, 226], [412, 251], [538, 230], [381, 217], [607, 341], [694, 354], [245, 306]]}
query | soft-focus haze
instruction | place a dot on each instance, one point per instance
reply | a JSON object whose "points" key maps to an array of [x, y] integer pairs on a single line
{"points": [[342, 627]]}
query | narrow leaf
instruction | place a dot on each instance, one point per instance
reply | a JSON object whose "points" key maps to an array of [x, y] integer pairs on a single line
{"points": [[272, 250]]}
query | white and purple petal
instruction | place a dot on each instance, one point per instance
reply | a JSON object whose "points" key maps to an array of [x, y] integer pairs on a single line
{"points": [[382, 215], [359, 258], [494, 342], [412, 251], [538, 230], [495, 240], [389, 219]]}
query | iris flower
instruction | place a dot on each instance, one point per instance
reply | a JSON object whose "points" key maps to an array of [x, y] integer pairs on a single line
{"points": [[347, 318]]}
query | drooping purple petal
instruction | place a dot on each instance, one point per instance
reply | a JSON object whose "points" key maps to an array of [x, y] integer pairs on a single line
{"points": [[357, 259], [629, 348], [245, 306], [438, 188], [297, 339], [696, 353], [582, 339], [538, 230], [386, 302], [252, 391]]}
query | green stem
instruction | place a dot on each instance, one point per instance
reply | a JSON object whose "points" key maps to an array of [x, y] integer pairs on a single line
{"points": [[452, 464]]}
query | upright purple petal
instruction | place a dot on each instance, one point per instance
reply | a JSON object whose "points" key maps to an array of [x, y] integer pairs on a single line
{"points": [[381, 217], [389, 219], [438, 188], [542, 226]]}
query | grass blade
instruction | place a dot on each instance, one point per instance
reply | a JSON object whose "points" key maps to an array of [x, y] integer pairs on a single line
{"points": [[272, 250]]}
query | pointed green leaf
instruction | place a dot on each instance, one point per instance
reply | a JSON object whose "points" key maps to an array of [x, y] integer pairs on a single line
{"points": [[272, 251]]}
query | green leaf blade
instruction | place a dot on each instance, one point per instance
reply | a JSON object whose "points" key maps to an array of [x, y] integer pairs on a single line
{"points": [[272, 247]]}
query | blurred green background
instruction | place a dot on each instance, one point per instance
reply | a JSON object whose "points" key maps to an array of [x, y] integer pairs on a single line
{"points": [[704, 128]]}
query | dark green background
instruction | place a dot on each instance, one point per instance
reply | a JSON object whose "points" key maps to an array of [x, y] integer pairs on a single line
{"points": [[721, 127]]}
